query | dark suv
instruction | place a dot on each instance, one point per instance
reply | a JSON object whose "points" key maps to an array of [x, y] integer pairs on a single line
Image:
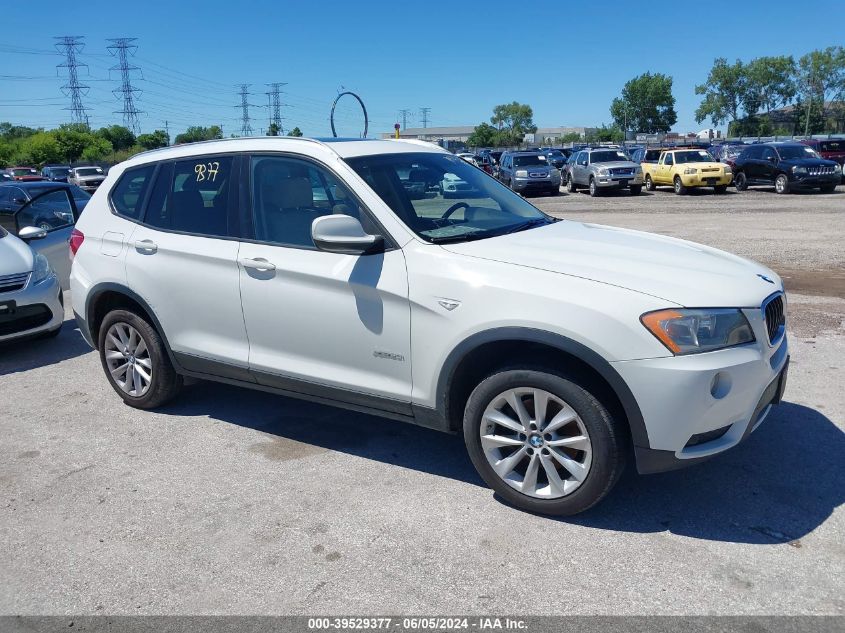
{"points": [[528, 171], [787, 166]]}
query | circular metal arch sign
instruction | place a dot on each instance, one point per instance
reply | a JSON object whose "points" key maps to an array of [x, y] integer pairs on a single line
{"points": [[363, 109]]}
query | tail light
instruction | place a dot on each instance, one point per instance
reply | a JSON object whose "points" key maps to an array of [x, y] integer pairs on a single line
{"points": [[75, 241]]}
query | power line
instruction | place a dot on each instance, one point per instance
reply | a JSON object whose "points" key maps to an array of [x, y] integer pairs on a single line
{"points": [[274, 102], [424, 115], [246, 128], [122, 47], [72, 45]]}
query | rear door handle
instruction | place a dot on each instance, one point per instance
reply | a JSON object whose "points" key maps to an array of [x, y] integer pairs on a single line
{"points": [[146, 246], [258, 263]]}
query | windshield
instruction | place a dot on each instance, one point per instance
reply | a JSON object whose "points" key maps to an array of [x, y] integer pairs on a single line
{"points": [[58, 171], [693, 156], [789, 152], [607, 156], [444, 199], [556, 154], [89, 171], [530, 159], [732, 151], [26, 171]]}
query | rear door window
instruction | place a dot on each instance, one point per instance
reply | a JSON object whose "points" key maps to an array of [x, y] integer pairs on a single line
{"points": [[194, 196]]}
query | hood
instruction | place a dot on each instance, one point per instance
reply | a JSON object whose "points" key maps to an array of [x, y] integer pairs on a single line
{"points": [[808, 162], [97, 177], [680, 272], [15, 256], [616, 164], [544, 168]]}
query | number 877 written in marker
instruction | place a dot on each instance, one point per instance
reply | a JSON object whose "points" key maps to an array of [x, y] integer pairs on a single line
{"points": [[207, 171]]}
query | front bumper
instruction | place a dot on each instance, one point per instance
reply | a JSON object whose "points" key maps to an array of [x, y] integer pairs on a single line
{"points": [[33, 310], [811, 182], [619, 181], [538, 184], [699, 405], [706, 179]]}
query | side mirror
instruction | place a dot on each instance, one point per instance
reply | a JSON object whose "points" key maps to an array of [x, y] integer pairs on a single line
{"points": [[344, 234], [773, 159], [28, 233], [19, 200]]}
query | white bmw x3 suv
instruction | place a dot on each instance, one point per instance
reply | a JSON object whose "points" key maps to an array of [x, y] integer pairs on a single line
{"points": [[315, 269]]}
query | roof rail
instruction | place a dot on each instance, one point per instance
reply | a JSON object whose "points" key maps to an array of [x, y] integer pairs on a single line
{"points": [[226, 140]]}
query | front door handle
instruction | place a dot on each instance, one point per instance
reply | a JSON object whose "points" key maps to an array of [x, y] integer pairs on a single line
{"points": [[259, 263], [146, 246]]}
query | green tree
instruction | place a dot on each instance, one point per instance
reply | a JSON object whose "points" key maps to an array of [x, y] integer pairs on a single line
{"points": [[484, 135], [198, 133], [646, 105], [154, 140], [42, 148], [73, 139], [11, 132], [273, 130], [513, 120], [821, 78], [119, 136], [97, 149], [724, 93], [769, 84], [606, 134], [295, 132]]}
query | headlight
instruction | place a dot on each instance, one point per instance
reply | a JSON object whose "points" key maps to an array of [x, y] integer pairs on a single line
{"points": [[690, 170], [521, 173], [692, 331], [41, 270], [728, 169], [837, 169], [797, 169], [603, 171]]}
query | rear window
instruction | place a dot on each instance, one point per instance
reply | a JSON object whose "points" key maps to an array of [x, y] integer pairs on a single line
{"points": [[526, 161], [607, 156], [129, 192], [832, 146], [652, 155]]}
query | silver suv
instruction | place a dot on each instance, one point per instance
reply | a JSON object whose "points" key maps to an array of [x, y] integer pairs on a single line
{"points": [[604, 168], [86, 178]]}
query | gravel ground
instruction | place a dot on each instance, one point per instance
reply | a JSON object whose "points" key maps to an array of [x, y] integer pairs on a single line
{"points": [[239, 502]]}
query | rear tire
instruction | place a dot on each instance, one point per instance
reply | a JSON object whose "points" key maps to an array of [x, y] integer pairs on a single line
{"points": [[557, 478], [740, 182], [781, 184], [719, 189], [636, 190], [680, 189], [571, 187], [149, 359]]}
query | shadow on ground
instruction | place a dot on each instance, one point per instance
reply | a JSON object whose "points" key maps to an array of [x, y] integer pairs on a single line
{"points": [[31, 353], [777, 487]]}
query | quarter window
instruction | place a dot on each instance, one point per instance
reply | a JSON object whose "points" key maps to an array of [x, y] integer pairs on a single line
{"points": [[128, 194], [289, 194], [192, 196]]}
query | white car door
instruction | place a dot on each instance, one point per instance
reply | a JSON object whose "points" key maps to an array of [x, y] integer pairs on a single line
{"points": [[183, 262], [326, 324]]}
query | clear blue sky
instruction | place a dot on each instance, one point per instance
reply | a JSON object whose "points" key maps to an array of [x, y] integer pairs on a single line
{"points": [[566, 59]]}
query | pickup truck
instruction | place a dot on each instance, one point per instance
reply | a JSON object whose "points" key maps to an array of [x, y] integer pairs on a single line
{"points": [[684, 169]]}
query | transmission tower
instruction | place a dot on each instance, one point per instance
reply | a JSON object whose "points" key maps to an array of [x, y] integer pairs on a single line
{"points": [[274, 104], [246, 128], [122, 48], [70, 46], [404, 112], [424, 114]]}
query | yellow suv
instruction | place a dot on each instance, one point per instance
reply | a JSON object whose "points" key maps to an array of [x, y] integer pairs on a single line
{"points": [[687, 168]]}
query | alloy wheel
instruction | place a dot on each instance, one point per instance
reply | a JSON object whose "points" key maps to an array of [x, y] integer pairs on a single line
{"points": [[536, 443], [128, 359]]}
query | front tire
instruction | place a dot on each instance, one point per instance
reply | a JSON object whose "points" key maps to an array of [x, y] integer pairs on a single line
{"points": [[680, 189], [571, 187], [649, 183], [828, 189], [636, 190], [543, 442], [594, 188], [781, 184], [136, 362]]}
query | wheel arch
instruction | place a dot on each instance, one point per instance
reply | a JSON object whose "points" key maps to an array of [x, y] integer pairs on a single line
{"points": [[480, 354], [107, 296]]}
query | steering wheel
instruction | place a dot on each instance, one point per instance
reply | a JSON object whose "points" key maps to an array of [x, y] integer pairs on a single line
{"points": [[453, 208]]}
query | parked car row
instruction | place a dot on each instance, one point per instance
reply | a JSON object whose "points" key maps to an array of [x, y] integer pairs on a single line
{"points": [[86, 177]]}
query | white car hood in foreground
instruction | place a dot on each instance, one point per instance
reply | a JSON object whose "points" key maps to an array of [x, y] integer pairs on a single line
{"points": [[681, 272], [15, 256]]}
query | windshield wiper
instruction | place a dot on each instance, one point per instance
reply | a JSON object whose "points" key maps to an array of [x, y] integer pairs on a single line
{"points": [[460, 237], [528, 224]]}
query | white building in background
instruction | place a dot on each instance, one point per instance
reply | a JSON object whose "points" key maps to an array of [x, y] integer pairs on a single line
{"points": [[460, 133]]}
